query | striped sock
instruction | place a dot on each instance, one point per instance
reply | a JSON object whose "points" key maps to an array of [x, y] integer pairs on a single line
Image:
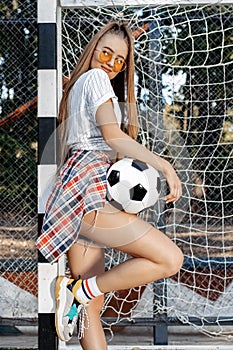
{"points": [[86, 290]]}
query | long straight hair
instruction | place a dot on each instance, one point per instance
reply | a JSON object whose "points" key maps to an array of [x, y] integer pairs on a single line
{"points": [[119, 29]]}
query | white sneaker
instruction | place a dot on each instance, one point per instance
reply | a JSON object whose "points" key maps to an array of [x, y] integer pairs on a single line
{"points": [[67, 309]]}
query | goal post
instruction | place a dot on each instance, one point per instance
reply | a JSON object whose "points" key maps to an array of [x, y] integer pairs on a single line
{"points": [[47, 116], [183, 85]]}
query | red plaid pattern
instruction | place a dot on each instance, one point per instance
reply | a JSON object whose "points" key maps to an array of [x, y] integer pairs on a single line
{"points": [[79, 188]]}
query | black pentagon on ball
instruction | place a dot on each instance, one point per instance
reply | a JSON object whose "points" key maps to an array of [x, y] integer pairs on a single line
{"points": [[141, 166], [137, 193], [114, 177]]}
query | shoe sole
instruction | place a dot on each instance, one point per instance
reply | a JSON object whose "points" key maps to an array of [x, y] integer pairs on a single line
{"points": [[60, 305]]}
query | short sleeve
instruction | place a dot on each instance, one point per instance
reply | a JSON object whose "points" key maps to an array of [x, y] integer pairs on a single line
{"points": [[98, 89]]}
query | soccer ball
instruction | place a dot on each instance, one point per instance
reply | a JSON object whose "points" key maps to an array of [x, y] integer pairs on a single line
{"points": [[132, 185]]}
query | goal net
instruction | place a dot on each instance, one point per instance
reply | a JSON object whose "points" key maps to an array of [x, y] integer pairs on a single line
{"points": [[184, 77]]}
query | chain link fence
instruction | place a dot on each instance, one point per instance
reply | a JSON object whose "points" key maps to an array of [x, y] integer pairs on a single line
{"points": [[18, 150]]}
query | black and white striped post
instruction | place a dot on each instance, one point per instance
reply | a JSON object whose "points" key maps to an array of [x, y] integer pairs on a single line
{"points": [[47, 114]]}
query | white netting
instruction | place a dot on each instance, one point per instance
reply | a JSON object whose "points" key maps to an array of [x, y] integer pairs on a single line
{"points": [[184, 74]]}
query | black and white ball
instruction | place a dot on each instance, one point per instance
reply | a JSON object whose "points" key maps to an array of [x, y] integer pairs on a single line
{"points": [[132, 185]]}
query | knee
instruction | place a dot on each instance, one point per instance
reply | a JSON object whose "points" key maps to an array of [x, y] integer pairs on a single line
{"points": [[174, 262]]}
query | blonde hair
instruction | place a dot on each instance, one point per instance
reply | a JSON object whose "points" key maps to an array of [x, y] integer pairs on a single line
{"points": [[120, 29]]}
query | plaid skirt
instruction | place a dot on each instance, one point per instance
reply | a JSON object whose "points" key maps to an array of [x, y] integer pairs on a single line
{"points": [[80, 188]]}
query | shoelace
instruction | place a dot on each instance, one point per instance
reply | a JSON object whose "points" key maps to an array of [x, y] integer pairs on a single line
{"points": [[83, 316]]}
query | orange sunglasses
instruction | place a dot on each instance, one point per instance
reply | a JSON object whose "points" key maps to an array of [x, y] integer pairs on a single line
{"points": [[105, 56]]}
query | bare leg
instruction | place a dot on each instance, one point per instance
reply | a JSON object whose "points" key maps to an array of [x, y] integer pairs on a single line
{"points": [[88, 262], [155, 256], [159, 258]]}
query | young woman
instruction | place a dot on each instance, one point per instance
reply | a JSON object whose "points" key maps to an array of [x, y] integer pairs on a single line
{"points": [[79, 221]]}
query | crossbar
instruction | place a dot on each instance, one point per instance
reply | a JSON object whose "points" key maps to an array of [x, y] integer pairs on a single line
{"points": [[154, 347], [137, 3]]}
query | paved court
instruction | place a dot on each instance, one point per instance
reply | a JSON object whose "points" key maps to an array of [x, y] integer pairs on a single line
{"points": [[132, 337]]}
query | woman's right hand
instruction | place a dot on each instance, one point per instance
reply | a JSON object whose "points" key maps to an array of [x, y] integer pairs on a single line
{"points": [[173, 181]]}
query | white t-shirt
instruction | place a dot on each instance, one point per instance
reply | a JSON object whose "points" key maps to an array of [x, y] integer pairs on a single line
{"points": [[91, 90]]}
